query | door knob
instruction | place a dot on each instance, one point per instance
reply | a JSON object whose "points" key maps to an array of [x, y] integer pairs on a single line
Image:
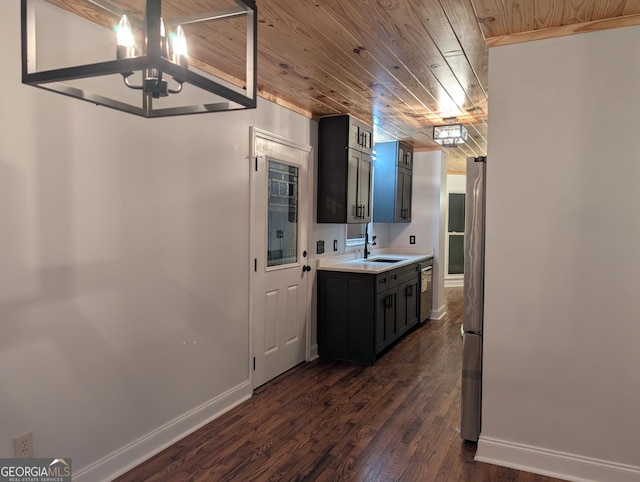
{"points": [[306, 268]]}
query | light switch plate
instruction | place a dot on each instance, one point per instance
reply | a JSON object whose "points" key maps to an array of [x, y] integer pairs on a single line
{"points": [[320, 246]]}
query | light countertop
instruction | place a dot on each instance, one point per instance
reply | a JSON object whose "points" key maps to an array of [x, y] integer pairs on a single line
{"points": [[350, 264]]}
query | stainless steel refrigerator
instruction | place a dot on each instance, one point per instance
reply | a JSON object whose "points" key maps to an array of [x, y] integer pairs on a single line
{"points": [[473, 302]]}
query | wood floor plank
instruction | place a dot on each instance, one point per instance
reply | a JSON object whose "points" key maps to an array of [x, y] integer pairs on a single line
{"points": [[398, 420]]}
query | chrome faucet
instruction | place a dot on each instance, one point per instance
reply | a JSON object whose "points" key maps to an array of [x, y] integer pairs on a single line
{"points": [[366, 241]]}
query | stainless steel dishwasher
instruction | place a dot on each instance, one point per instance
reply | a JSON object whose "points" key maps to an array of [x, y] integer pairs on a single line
{"points": [[426, 289]]}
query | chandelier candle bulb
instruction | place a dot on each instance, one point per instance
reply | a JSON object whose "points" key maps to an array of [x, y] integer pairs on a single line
{"points": [[124, 38], [179, 47], [164, 42]]}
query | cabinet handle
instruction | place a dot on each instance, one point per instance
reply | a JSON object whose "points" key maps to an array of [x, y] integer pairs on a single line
{"points": [[409, 290], [394, 277]]}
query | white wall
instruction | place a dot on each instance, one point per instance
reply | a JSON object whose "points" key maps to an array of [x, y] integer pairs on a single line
{"points": [[561, 366], [456, 183], [123, 268], [429, 186]]}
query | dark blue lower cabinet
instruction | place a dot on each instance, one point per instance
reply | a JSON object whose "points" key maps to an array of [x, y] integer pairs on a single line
{"points": [[361, 315]]}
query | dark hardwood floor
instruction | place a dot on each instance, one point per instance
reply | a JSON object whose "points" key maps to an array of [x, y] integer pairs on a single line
{"points": [[331, 421]]}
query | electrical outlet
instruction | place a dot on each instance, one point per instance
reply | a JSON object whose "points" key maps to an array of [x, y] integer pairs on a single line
{"points": [[319, 247], [412, 239], [23, 446]]}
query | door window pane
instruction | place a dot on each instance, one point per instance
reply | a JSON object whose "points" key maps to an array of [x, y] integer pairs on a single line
{"points": [[456, 213], [282, 222], [455, 234], [456, 254]]}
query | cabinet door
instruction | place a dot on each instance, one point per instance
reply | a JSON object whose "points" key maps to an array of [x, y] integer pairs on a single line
{"points": [[360, 136], [358, 329], [364, 188], [381, 315], [386, 318], [407, 184], [366, 138], [393, 330], [353, 204], [403, 195], [413, 302], [355, 133], [408, 304], [402, 308], [345, 314], [332, 313], [405, 156]]}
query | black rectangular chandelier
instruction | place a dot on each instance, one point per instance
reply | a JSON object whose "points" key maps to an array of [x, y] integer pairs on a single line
{"points": [[450, 135], [152, 58]]}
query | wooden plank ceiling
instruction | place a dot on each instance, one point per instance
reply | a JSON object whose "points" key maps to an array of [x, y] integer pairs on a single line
{"points": [[401, 65]]}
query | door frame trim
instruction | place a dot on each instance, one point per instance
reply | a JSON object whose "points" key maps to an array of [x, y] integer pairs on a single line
{"points": [[254, 134]]}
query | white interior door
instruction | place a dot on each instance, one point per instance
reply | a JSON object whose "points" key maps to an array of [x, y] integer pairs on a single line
{"points": [[280, 218]]}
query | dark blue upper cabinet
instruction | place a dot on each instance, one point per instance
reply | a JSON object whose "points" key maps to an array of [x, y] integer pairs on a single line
{"points": [[344, 170], [392, 182]]}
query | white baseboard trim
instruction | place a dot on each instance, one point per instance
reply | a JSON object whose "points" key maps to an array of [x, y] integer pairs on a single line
{"points": [[133, 454], [438, 314], [453, 282], [313, 352], [551, 463]]}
